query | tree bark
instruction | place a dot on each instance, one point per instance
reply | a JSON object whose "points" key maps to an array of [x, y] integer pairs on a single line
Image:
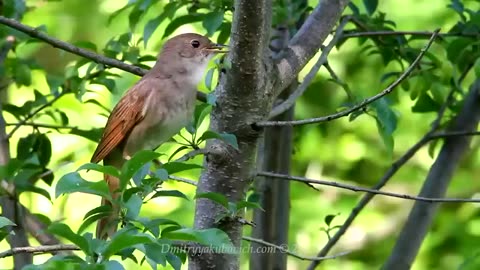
{"points": [[435, 186], [272, 221], [244, 96]]}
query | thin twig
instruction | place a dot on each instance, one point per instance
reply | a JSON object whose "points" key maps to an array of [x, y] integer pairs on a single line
{"points": [[192, 154], [367, 101], [284, 106], [339, 81], [447, 134], [401, 33], [291, 253], [32, 114], [37, 250], [368, 190], [42, 125], [183, 180]]}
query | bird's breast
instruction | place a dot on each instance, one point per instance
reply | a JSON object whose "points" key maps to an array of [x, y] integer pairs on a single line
{"points": [[165, 116]]}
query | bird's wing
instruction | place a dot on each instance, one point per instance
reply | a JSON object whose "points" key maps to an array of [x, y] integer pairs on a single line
{"points": [[129, 111]]}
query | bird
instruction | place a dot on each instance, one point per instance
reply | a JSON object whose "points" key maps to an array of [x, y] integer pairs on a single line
{"points": [[154, 109]]}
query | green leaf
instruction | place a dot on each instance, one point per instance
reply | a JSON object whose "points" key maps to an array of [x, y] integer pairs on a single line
{"points": [[209, 78], [157, 252], [386, 137], [133, 205], [212, 99], [43, 149], [328, 219], [226, 137], [182, 20], [213, 21], [93, 134], [134, 164], [214, 238], [175, 167], [64, 231], [370, 5], [248, 205], [110, 170], [113, 265], [86, 45], [73, 182], [201, 111], [168, 11], [174, 261], [124, 239], [425, 104], [216, 197], [385, 115], [22, 74], [170, 193], [161, 174], [94, 215], [6, 222], [153, 225]]}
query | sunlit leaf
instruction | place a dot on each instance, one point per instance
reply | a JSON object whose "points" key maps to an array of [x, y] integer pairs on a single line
{"points": [[73, 182], [214, 238], [216, 197]]}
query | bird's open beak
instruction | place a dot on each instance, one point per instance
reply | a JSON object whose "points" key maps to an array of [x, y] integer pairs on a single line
{"points": [[217, 48]]}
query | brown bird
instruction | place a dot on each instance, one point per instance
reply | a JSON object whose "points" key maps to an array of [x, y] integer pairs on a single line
{"points": [[153, 110]]}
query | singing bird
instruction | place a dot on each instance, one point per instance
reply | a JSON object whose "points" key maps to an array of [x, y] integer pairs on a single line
{"points": [[153, 110]]}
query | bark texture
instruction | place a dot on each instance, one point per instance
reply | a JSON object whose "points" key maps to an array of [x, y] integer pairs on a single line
{"points": [[245, 96]]}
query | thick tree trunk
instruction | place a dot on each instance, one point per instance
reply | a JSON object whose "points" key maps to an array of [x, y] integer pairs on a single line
{"points": [[435, 186], [240, 103], [245, 96]]}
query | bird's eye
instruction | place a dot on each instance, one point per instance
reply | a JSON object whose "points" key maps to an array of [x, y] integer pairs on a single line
{"points": [[195, 43]]}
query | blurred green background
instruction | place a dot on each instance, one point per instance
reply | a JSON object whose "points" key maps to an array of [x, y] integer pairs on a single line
{"points": [[343, 151]]}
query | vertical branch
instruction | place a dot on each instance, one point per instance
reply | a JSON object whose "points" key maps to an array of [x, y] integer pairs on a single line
{"points": [[272, 224], [241, 100], [272, 221], [439, 176]]}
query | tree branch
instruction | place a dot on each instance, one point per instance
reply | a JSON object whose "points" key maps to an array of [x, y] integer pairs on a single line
{"points": [[37, 250], [285, 105], [36, 33], [348, 35], [303, 46], [385, 178], [65, 46], [32, 114], [436, 183], [244, 96], [363, 189], [367, 101], [291, 253]]}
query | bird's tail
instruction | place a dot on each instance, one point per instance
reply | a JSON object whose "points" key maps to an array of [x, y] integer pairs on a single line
{"points": [[107, 226]]}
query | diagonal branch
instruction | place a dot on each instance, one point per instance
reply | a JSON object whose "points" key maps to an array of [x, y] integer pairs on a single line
{"points": [[291, 253], [284, 106], [38, 34], [367, 101], [111, 62], [303, 46]]}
